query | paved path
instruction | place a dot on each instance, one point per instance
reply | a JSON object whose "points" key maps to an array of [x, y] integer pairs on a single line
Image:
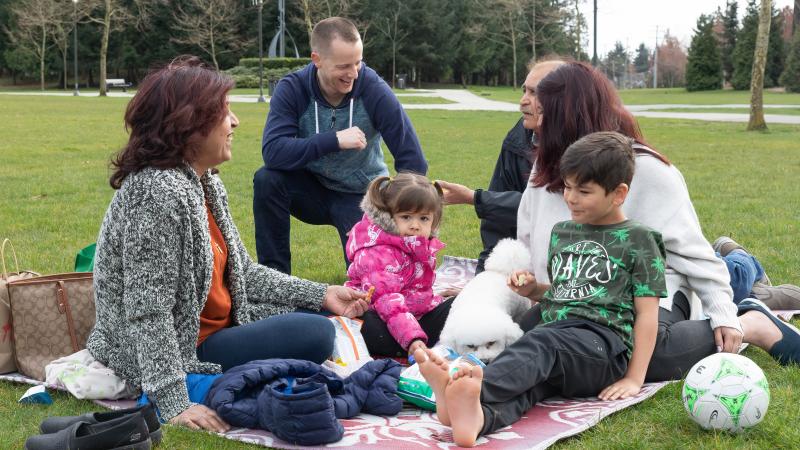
{"points": [[465, 100]]}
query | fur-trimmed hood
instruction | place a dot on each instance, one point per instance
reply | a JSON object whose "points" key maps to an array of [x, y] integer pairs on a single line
{"points": [[383, 219]]}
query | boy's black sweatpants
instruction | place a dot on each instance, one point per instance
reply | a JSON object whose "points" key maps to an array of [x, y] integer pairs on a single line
{"points": [[573, 358]]}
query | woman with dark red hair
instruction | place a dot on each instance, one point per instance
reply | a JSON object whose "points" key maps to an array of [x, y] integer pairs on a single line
{"points": [[573, 101], [176, 291]]}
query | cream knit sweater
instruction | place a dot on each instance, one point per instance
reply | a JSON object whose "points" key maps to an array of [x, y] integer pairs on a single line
{"points": [[660, 200]]}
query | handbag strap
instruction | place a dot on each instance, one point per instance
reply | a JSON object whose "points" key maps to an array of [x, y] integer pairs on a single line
{"points": [[63, 308], [7, 241]]}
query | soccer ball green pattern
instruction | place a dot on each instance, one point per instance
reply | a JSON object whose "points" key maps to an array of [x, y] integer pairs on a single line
{"points": [[726, 392]]}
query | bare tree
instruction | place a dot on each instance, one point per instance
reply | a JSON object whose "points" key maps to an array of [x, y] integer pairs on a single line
{"points": [[112, 15], [759, 65], [315, 10], [210, 25], [63, 26], [388, 26], [34, 19], [507, 15]]}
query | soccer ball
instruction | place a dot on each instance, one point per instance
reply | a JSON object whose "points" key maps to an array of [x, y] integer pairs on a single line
{"points": [[726, 391]]}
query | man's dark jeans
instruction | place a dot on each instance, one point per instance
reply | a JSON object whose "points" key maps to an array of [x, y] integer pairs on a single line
{"points": [[279, 194]]}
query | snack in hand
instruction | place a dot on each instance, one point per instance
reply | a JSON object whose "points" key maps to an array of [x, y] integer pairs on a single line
{"points": [[369, 294], [521, 281]]}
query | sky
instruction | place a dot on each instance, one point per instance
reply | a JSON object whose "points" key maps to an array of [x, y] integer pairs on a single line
{"points": [[634, 21]]}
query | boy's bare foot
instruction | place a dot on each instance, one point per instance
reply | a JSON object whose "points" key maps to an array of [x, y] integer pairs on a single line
{"points": [[435, 370], [463, 396]]}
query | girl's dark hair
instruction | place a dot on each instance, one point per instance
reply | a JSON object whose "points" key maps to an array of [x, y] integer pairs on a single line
{"points": [[407, 192], [576, 100], [172, 107]]}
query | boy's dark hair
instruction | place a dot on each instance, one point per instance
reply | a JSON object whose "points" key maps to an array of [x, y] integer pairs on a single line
{"points": [[407, 192], [605, 157], [326, 30]]}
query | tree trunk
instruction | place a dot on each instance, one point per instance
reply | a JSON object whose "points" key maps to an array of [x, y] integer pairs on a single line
{"points": [[533, 32], [307, 18], [513, 52], [41, 57], [796, 19], [214, 51], [104, 49], [394, 60], [64, 60], [759, 64]]}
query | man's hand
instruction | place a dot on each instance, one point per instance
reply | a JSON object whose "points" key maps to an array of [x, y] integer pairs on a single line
{"points": [[345, 302], [728, 339], [457, 194], [624, 388], [351, 139], [199, 417]]}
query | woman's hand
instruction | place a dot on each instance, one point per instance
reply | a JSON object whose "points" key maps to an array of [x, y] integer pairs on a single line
{"points": [[199, 417], [345, 302], [624, 388], [457, 194], [728, 339], [522, 282]]}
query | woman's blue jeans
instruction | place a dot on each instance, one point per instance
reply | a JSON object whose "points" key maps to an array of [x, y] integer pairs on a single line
{"points": [[744, 269], [289, 336]]}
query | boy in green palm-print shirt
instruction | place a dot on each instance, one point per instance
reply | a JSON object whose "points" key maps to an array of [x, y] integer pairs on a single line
{"points": [[604, 268], [600, 314]]}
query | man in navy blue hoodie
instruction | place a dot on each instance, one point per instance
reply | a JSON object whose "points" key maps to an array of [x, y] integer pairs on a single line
{"points": [[321, 143]]}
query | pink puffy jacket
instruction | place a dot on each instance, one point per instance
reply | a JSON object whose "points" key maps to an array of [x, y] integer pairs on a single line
{"points": [[402, 270]]}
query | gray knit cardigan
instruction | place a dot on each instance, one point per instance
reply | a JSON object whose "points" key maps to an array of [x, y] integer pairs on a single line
{"points": [[152, 276]]}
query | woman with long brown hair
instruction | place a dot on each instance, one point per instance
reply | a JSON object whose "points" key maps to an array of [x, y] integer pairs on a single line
{"points": [[176, 291], [572, 101]]}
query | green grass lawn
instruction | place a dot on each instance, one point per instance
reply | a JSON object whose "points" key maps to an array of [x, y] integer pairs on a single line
{"points": [[658, 96], [420, 100], [54, 184], [782, 111]]}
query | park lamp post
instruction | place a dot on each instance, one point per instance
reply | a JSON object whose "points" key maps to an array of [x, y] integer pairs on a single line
{"points": [[75, 45], [261, 99]]}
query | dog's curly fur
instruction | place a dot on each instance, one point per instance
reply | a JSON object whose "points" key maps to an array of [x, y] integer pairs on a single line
{"points": [[481, 318]]}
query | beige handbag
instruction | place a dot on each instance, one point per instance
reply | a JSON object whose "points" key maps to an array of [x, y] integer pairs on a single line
{"points": [[53, 316], [7, 363]]}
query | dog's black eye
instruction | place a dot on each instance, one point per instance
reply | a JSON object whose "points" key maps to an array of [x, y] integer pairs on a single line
{"points": [[472, 347], [489, 344]]}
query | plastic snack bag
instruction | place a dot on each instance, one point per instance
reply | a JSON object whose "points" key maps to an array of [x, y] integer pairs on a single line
{"points": [[412, 386], [349, 348]]}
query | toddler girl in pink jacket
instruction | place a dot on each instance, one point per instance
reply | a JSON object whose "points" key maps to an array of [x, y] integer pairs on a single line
{"points": [[393, 250]]}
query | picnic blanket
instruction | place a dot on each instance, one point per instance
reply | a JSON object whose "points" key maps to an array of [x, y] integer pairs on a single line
{"points": [[549, 421]]}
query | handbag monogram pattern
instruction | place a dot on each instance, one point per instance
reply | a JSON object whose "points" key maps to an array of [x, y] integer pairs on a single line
{"points": [[52, 316]]}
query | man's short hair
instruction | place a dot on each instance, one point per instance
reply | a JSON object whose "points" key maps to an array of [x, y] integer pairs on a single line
{"points": [[605, 157], [326, 30]]}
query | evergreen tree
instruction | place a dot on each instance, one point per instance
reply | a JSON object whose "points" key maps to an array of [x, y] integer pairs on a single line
{"points": [[790, 78], [776, 54], [616, 63], [704, 69], [642, 61], [745, 46], [730, 23]]}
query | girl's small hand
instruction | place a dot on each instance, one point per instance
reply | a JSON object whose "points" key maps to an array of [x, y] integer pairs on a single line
{"points": [[415, 345], [345, 302], [522, 282], [624, 388]]}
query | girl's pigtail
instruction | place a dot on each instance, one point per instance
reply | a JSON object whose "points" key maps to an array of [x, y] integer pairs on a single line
{"points": [[376, 192]]}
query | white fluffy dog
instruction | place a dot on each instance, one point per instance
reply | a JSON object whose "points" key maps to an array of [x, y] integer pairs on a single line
{"points": [[481, 318]]}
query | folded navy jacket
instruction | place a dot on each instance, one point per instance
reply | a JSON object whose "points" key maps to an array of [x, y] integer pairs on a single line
{"points": [[300, 401]]}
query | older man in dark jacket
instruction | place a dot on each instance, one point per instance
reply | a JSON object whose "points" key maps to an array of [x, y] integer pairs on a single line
{"points": [[497, 206]]}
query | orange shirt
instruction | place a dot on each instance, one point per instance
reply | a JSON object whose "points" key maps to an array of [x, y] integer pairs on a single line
{"points": [[216, 314]]}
